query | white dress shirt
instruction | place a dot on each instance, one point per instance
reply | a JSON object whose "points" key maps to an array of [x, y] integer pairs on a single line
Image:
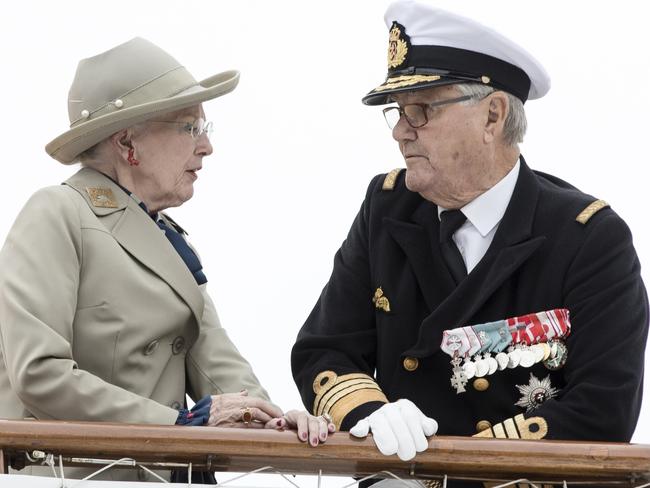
{"points": [[483, 216]]}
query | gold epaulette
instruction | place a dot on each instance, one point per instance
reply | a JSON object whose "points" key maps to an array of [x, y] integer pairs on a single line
{"points": [[584, 216], [339, 395], [517, 427], [390, 179]]}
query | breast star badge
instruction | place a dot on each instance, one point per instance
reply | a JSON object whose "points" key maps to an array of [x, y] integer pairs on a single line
{"points": [[535, 393]]}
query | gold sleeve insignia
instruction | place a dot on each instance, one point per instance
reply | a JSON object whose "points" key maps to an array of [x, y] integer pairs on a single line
{"points": [[517, 427], [102, 197], [589, 212], [339, 395], [390, 179]]}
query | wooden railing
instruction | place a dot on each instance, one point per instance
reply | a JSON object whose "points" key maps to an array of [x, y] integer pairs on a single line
{"points": [[243, 450]]}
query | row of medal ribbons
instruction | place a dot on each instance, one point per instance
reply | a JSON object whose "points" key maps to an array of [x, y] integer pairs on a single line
{"points": [[518, 341]]}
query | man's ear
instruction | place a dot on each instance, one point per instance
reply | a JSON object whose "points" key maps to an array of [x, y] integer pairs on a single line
{"points": [[498, 107]]}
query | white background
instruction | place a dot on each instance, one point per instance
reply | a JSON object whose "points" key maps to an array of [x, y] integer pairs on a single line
{"points": [[294, 148]]}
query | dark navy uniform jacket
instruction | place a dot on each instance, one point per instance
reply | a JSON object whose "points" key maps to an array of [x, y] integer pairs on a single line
{"points": [[349, 351]]}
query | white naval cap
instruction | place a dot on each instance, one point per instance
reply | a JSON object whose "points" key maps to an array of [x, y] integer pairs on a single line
{"points": [[429, 46]]}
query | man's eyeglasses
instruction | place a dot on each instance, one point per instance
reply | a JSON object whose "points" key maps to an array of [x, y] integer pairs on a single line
{"points": [[416, 113], [196, 129]]}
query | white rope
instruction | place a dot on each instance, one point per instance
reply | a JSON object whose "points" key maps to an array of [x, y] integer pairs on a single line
{"points": [[373, 475], [61, 470], [522, 480], [152, 473], [259, 470]]}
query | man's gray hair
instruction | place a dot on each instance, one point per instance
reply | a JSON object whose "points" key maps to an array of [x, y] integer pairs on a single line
{"points": [[514, 128]]}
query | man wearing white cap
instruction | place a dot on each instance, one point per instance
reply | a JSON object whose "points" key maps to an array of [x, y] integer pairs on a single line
{"points": [[530, 287]]}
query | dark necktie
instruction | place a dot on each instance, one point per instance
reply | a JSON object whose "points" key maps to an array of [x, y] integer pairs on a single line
{"points": [[184, 251], [450, 222]]}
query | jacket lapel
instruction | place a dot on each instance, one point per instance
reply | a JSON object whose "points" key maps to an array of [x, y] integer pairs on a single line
{"points": [[139, 235], [513, 245], [417, 240]]}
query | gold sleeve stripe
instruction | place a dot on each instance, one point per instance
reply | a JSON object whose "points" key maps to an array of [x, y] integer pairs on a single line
{"points": [[326, 406], [517, 427], [334, 384], [511, 430], [338, 395], [589, 212], [340, 409], [499, 432], [390, 179]]}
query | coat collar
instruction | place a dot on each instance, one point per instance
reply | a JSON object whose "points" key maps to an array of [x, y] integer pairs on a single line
{"points": [[138, 234], [452, 306]]}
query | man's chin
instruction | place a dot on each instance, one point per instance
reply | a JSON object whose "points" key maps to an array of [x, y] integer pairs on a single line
{"points": [[412, 182]]}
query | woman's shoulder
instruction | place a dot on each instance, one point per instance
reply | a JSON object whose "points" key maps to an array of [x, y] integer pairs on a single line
{"points": [[55, 198]]}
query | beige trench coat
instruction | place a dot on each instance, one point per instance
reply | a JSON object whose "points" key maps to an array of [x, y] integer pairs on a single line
{"points": [[100, 319]]}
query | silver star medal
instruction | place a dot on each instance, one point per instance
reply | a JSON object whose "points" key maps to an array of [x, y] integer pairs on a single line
{"points": [[535, 393], [458, 377]]}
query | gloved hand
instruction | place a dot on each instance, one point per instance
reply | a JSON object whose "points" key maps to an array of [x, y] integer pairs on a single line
{"points": [[398, 427]]}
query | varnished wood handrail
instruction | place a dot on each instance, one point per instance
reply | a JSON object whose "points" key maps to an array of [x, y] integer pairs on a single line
{"points": [[247, 449]]}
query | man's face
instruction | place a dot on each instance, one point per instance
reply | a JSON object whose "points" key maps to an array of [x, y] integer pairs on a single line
{"points": [[447, 158]]}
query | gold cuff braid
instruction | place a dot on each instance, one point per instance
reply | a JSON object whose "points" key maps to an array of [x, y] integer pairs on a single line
{"points": [[517, 427], [339, 395]]}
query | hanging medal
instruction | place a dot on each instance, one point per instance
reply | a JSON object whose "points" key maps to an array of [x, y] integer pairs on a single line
{"points": [[522, 341]]}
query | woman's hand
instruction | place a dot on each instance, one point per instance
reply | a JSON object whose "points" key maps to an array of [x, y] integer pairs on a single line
{"points": [[240, 410], [308, 427]]}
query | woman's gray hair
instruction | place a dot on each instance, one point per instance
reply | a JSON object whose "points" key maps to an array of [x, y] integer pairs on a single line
{"points": [[514, 128]]}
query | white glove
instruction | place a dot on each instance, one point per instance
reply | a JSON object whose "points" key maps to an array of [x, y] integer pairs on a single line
{"points": [[398, 427]]}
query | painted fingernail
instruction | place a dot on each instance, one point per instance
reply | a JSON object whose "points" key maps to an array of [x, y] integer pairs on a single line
{"points": [[279, 423], [303, 436], [323, 436], [314, 441]]}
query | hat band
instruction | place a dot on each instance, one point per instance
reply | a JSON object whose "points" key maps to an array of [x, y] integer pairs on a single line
{"points": [[159, 88], [472, 65]]}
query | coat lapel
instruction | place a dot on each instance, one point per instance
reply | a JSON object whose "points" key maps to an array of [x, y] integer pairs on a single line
{"points": [[139, 235], [513, 245], [417, 240]]}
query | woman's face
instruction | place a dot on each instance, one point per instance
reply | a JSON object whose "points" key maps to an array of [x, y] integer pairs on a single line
{"points": [[169, 158]]}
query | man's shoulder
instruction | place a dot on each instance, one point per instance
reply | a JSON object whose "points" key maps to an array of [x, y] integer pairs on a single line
{"points": [[387, 193], [561, 200]]}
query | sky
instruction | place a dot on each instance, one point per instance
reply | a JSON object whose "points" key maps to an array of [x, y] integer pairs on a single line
{"points": [[294, 148]]}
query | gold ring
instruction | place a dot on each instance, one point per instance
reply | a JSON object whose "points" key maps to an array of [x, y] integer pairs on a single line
{"points": [[327, 418], [246, 415]]}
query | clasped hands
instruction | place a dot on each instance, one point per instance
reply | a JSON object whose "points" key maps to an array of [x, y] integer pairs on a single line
{"points": [[240, 410]]}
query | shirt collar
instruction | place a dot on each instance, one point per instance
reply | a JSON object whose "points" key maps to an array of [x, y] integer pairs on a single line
{"points": [[487, 210]]}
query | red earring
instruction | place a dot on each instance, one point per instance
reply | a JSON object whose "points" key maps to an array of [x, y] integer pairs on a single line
{"points": [[132, 161]]}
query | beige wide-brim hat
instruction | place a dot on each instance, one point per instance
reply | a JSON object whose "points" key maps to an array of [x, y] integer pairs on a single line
{"points": [[128, 84]]}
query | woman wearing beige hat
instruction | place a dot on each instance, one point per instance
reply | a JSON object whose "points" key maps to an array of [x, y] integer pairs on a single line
{"points": [[104, 314]]}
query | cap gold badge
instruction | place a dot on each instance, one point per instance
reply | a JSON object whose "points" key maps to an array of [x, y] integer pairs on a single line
{"points": [[102, 197], [398, 46], [381, 302]]}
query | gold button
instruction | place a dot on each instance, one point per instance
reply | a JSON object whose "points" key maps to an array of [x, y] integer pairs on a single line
{"points": [[482, 425], [481, 384], [411, 364]]}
